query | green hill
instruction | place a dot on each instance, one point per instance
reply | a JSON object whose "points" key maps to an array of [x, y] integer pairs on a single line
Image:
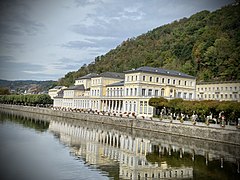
{"points": [[206, 45]]}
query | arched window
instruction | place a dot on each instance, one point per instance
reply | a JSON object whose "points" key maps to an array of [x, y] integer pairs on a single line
{"points": [[162, 92]]}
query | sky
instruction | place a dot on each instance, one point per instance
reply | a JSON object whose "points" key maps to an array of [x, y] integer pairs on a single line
{"points": [[45, 39]]}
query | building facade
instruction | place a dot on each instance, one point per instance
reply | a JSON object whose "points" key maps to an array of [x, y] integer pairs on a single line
{"points": [[222, 91], [127, 92]]}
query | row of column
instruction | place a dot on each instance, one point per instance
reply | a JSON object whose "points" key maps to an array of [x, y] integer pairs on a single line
{"points": [[112, 105]]}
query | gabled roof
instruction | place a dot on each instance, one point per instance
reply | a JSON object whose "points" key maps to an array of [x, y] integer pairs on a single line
{"points": [[121, 83], [78, 87], [88, 76], [160, 71], [112, 75], [58, 87]]}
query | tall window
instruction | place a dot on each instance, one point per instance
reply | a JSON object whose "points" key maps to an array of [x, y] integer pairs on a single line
{"points": [[162, 92], [168, 81], [157, 79], [163, 80], [179, 82], [135, 92], [156, 92], [144, 78], [174, 81], [150, 79], [150, 92], [127, 92], [143, 92]]}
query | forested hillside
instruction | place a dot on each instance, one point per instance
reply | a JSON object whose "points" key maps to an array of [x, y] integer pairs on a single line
{"points": [[206, 45]]}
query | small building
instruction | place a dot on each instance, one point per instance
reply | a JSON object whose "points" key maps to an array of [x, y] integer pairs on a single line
{"points": [[54, 91]]}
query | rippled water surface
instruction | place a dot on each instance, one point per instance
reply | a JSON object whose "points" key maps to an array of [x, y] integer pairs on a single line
{"points": [[42, 147]]}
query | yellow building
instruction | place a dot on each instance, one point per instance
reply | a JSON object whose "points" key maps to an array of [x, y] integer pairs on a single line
{"points": [[129, 92], [223, 91]]}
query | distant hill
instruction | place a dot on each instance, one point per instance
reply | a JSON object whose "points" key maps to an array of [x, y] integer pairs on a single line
{"points": [[28, 85], [206, 45]]}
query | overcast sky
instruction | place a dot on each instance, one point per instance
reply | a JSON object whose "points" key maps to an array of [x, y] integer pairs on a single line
{"points": [[45, 39]]}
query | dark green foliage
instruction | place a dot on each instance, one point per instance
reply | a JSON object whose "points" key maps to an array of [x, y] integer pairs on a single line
{"points": [[206, 45], [231, 109], [35, 99], [4, 91]]}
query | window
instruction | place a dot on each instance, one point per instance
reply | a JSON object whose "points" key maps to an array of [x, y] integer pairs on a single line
{"points": [[145, 107], [150, 79], [179, 94], [144, 78], [226, 88], [185, 83], [162, 92], [157, 79], [150, 92], [209, 88], [221, 88], [230, 95], [143, 92], [226, 96], [135, 92], [156, 92], [163, 80], [127, 92], [174, 81], [131, 92], [179, 82], [230, 88], [132, 78], [222, 96], [190, 95], [209, 96], [136, 78], [184, 95], [168, 81]]}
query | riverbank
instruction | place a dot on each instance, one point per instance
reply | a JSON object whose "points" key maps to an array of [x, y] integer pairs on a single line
{"points": [[230, 135]]}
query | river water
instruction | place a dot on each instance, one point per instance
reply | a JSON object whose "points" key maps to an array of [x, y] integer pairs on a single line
{"points": [[40, 147]]}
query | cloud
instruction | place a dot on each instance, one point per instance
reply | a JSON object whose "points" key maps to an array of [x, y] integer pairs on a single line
{"points": [[16, 20], [94, 42], [10, 69]]}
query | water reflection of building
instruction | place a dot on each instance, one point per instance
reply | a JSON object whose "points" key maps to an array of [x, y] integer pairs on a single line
{"points": [[109, 147]]}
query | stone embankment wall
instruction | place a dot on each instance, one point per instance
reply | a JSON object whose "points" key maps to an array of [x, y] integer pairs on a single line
{"points": [[231, 136]]}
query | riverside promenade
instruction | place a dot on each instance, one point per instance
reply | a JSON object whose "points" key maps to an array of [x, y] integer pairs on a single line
{"points": [[211, 132]]}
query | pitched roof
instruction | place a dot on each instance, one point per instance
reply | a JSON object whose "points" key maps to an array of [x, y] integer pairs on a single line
{"points": [[112, 75], [120, 83], [160, 71], [78, 87], [88, 76]]}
